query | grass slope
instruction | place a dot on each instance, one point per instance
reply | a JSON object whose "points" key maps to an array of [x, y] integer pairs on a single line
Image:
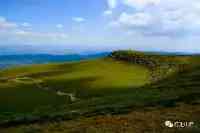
{"points": [[149, 120], [89, 81], [102, 86]]}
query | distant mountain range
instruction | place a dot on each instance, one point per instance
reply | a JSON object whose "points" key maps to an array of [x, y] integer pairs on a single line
{"points": [[25, 59], [14, 55]]}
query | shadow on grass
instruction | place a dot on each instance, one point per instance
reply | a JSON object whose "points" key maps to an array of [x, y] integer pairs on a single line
{"points": [[178, 88], [59, 70]]}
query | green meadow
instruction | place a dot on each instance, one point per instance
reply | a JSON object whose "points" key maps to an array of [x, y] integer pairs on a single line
{"points": [[87, 80], [111, 85]]}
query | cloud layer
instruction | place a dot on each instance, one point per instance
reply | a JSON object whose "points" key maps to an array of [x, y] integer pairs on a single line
{"points": [[159, 17], [21, 33], [4, 24], [148, 24], [78, 19]]}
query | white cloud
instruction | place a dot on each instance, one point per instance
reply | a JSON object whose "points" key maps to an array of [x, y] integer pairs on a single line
{"points": [[78, 19], [133, 3], [4, 24], [25, 24], [47, 35], [141, 3], [112, 3], [107, 13], [14, 33], [36, 37], [59, 26], [2, 19], [114, 24], [135, 20], [21, 33], [160, 17]]}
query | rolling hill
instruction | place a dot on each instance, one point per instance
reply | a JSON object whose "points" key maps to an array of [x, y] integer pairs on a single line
{"points": [[123, 82]]}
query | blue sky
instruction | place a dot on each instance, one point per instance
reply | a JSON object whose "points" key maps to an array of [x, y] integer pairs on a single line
{"points": [[170, 25]]}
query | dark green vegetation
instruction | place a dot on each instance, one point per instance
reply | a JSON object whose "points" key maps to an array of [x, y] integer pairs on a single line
{"points": [[120, 83], [150, 120], [32, 91]]}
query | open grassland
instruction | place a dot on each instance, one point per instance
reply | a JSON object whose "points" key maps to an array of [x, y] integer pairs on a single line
{"points": [[117, 84], [150, 120], [33, 90]]}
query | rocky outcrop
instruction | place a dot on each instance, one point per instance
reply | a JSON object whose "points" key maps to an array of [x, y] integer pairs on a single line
{"points": [[160, 66]]}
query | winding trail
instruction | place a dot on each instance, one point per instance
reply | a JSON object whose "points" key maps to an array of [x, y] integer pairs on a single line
{"points": [[70, 95], [39, 85]]}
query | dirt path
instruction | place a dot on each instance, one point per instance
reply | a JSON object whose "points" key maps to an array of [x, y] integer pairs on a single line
{"points": [[39, 85], [70, 95]]}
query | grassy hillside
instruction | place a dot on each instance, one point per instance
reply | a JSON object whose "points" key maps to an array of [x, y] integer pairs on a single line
{"points": [[117, 84], [29, 91], [149, 120]]}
